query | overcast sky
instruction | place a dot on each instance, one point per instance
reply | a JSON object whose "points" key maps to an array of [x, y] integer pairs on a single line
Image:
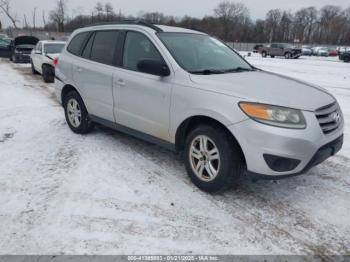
{"points": [[197, 8]]}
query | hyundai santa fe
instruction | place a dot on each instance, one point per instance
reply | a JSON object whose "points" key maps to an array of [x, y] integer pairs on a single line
{"points": [[191, 93]]}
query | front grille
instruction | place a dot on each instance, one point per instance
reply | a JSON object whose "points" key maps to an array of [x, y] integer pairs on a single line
{"points": [[329, 118]]}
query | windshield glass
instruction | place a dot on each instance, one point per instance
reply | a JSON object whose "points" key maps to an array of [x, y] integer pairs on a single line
{"points": [[53, 48], [198, 53]]}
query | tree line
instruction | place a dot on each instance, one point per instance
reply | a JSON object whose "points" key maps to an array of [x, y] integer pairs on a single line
{"points": [[230, 21]]}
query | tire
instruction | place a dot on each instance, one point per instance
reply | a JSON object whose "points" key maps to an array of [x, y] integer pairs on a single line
{"points": [[346, 59], [79, 123], [264, 54], [227, 168], [34, 72], [48, 74], [287, 55], [14, 59]]}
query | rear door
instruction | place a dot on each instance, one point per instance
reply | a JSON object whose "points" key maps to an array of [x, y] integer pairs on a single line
{"points": [[93, 73], [274, 49]]}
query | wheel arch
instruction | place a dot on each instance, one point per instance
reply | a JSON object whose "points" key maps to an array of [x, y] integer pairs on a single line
{"points": [[190, 123], [66, 89], [46, 64]]}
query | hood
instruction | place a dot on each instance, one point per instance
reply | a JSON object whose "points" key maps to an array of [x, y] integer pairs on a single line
{"points": [[25, 40], [267, 88], [25, 46]]}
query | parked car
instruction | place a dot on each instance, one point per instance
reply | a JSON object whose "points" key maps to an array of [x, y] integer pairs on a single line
{"points": [[306, 50], [286, 50], [3, 36], [5, 47], [22, 47], [345, 56], [315, 50], [191, 93], [43, 56], [332, 52], [322, 51], [257, 48]]}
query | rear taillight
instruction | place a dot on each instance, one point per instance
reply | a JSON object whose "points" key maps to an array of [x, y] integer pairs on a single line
{"points": [[55, 61]]}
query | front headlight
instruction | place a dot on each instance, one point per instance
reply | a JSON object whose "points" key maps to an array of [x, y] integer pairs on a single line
{"points": [[274, 115]]}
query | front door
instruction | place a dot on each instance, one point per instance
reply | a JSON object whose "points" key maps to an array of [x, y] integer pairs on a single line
{"points": [[142, 100]]}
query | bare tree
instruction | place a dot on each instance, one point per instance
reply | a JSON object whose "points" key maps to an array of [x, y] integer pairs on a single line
{"points": [[99, 10], [59, 15], [34, 17], [5, 6], [272, 22], [25, 22], [230, 15], [109, 11], [44, 18]]}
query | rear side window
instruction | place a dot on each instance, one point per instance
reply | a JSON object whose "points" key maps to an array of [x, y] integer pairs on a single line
{"points": [[76, 44], [87, 50], [104, 46], [138, 47]]}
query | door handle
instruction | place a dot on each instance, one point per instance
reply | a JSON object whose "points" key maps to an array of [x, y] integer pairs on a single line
{"points": [[78, 69], [121, 82]]}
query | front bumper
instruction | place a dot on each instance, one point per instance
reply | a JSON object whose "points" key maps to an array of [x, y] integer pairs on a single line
{"points": [[308, 146], [23, 58]]}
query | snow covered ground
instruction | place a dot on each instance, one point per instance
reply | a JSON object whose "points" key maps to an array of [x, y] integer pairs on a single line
{"points": [[108, 193]]}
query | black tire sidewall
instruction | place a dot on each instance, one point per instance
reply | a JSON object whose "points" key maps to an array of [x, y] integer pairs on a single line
{"points": [[85, 125], [230, 159], [47, 74]]}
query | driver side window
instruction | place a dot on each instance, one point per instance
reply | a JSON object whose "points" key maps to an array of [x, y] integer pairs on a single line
{"points": [[138, 47]]}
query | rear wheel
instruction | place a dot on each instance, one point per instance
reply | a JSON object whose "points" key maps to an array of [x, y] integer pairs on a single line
{"points": [[346, 59], [213, 159], [264, 54], [48, 74], [76, 114]]}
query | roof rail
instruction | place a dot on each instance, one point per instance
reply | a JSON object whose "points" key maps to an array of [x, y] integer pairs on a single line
{"points": [[130, 22]]}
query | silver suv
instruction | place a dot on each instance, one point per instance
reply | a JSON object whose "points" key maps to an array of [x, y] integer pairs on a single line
{"points": [[191, 93]]}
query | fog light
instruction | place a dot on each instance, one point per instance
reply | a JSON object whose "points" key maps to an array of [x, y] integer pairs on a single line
{"points": [[281, 164]]}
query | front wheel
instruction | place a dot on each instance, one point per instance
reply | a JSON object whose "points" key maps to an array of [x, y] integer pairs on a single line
{"points": [[14, 59], [76, 114], [287, 55], [264, 54], [213, 159], [34, 72]]}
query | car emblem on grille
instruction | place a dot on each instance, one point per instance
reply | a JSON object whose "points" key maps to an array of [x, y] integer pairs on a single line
{"points": [[336, 117]]}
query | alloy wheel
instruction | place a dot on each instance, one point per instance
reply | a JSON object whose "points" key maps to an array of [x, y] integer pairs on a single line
{"points": [[204, 158]]}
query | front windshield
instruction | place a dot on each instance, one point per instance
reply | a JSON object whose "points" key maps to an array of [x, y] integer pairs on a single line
{"points": [[202, 54], [53, 48]]}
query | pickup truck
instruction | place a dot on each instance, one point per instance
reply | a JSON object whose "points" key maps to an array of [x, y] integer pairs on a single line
{"points": [[286, 50]]}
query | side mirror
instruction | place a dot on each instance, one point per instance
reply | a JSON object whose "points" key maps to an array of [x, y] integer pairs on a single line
{"points": [[153, 67]]}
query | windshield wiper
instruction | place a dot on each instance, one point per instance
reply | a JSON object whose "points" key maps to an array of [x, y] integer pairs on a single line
{"points": [[238, 69], [223, 71], [207, 72]]}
